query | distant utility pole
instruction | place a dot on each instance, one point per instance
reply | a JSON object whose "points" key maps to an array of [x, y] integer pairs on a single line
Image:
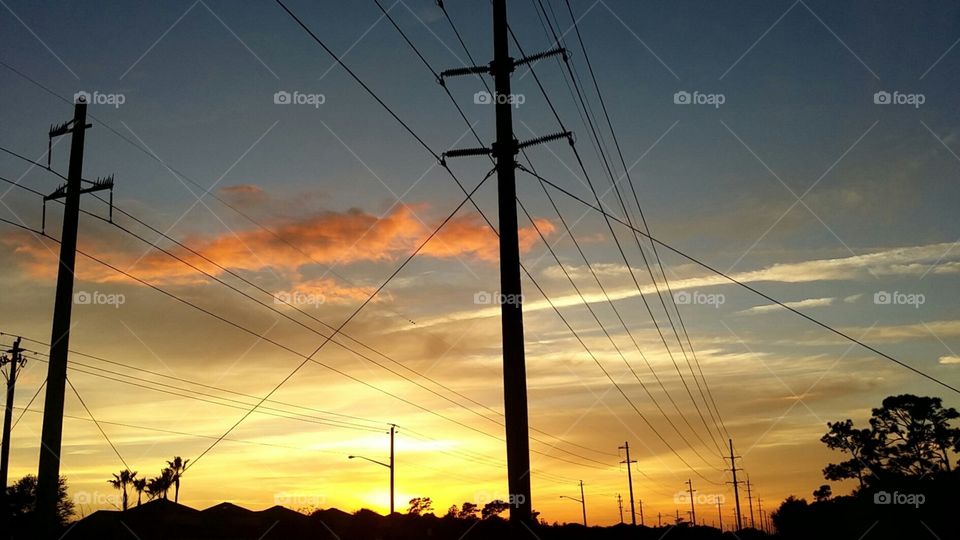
{"points": [[659, 520], [504, 150], [16, 361], [48, 475], [736, 492], [620, 505], [390, 465], [750, 502], [640, 501], [629, 462], [720, 514], [760, 509], [693, 509], [583, 503]]}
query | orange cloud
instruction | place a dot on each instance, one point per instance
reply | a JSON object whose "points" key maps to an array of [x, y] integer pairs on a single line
{"points": [[330, 237]]}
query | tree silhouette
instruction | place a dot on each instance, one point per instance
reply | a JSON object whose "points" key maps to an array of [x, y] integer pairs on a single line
{"points": [[909, 436], [120, 481], [139, 484], [494, 508], [177, 465], [420, 506], [823, 493], [159, 486], [22, 500]]}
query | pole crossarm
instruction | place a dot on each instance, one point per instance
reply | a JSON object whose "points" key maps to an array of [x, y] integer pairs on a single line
{"points": [[490, 68]]}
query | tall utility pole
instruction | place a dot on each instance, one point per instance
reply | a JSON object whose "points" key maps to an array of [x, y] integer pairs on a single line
{"points": [[640, 501], [693, 509], [620, 505], [504, 152], [736, 492], [51, 437], [629, 462], [750, 502], [15, 360]]}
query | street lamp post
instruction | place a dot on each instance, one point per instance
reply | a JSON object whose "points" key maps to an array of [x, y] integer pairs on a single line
{"points": [[583, 502], [393, 430]]}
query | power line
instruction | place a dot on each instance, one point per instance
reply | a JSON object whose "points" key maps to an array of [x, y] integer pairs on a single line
{"points": [[735, 281], [102, 432]]}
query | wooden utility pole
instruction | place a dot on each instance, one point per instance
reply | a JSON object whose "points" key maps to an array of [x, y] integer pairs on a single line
{"points": [[51, 437], [719, 514], [750, 502], [620, 505], [693, 508], [393, 431], [736, 492], [629, 462], [504, 152], [16, 361]]}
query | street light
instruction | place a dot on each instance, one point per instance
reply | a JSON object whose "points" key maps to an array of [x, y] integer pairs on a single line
{"points": [[393, 430], [582, 500]]}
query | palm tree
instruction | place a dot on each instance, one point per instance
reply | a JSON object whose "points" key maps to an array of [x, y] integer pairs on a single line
{"points": [[178, 466], [158, 486], [121, 481], [139, 484]]}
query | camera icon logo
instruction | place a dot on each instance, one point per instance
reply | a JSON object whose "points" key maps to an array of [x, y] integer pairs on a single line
{"points": [[882, 497], [882, 298], [81, 97], [482, 297], [682, 98], [882, 98], [683, 298], [282, 98], [82, 298], [482, 98]]}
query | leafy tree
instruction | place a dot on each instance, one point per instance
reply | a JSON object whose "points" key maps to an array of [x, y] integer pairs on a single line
{"points": [[120, 481], [22, 500], [494, 508], [468, 510], [178, 465], [909, 436], [420, 506], [823, 493]]}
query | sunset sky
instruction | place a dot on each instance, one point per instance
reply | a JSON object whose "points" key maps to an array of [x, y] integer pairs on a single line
{"points": [[799, 184]]}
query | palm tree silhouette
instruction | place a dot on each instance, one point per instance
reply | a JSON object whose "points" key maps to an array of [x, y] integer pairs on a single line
{"points": [[178, 465], [158, 486], [139, 484], [121, 481]]}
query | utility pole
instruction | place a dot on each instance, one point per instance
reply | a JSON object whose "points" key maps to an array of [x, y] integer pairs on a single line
{"points": [[693, 509], [15, 360], [51, 438], [504, 151], [393, 431], [720, 514], [620, 505], [750, 502], [659, 520], [760, 509], [641, 512], [736, 492], [629, 462], [582, 500]]}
